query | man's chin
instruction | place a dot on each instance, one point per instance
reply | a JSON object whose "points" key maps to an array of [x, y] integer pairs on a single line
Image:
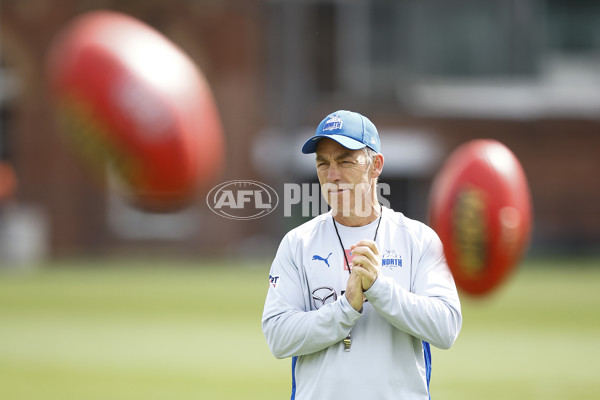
{"points": [[339, 209]]}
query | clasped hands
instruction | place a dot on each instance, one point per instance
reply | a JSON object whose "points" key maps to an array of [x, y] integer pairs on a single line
{"points": [[366, 263]]}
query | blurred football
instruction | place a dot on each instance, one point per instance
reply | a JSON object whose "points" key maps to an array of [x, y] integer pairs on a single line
{"points": [[481, 209], [129, 99], [8, 181]]}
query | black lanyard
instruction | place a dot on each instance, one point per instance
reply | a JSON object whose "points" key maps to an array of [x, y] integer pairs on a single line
{"points": [[340, 238], [348, 340]]}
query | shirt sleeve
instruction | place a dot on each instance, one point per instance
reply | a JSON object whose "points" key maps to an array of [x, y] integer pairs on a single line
{"points": [[431, 310], [290, 326]]}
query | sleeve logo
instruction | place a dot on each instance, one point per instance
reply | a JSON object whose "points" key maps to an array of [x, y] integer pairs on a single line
{"points": [[273, 279]]}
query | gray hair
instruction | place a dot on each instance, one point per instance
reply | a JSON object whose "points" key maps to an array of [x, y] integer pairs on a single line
{"points": [[369, 154]]}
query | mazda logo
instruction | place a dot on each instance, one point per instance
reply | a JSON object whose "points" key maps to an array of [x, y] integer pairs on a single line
{"points": [[323, 295]]}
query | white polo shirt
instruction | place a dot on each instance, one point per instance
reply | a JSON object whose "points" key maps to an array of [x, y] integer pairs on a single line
{"points": [[412, 304]]}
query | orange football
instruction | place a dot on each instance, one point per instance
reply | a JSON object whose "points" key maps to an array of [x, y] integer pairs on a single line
{"points": [[130, 99], [480, 206]]}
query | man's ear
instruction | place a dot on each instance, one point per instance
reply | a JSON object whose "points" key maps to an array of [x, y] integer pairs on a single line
{"points": [[377, 165]]}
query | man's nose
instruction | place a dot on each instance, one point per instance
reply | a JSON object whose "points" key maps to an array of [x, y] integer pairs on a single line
{"points": [[333, 172]]}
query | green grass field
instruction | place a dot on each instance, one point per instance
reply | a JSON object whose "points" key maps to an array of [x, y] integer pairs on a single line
{"points": [[192, 331]]}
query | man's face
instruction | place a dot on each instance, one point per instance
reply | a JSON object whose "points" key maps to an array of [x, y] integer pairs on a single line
{"points": [[344, 176]]}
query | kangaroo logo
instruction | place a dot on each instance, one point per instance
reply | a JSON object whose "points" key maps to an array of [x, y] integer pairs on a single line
{"points": [[325, 260]]}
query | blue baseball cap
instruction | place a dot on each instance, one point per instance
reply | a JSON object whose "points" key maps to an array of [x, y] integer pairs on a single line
{"points": [[348, 128]]}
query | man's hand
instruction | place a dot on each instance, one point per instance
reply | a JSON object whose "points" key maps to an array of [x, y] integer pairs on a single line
{"points": [[366, 262], [354, 292]]}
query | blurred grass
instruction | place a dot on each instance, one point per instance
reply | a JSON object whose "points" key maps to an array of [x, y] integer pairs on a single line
{"points": [[191, 330], [537, 337], [134, 332]]}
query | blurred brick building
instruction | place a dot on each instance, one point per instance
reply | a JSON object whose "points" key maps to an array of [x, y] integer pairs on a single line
{"points": [[431, 76]]}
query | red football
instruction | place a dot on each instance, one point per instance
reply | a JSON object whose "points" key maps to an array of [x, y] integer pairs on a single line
{"points": [[480, 207], [129, 98]]}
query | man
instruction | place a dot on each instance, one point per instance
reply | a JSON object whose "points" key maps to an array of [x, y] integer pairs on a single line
{"points": [[357, 294]]}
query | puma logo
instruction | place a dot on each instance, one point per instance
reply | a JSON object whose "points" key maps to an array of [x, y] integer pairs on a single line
{"points": [[325, 260]]}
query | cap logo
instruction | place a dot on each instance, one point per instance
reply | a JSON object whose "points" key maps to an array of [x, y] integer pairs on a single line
{"points": [[333, 123]]}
